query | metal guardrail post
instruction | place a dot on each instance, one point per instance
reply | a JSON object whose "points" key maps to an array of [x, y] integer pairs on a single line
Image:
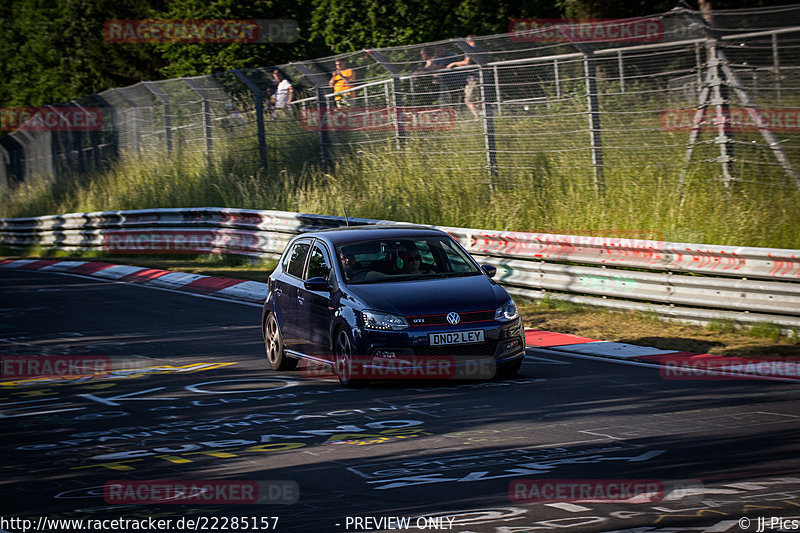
{"points": [[258, 101], [158, 93]]}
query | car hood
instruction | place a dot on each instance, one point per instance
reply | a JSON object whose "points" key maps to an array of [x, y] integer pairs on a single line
{"points": [[434, 296]]}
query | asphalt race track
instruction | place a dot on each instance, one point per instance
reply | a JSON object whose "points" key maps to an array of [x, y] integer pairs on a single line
{"points": [[189, 403]]}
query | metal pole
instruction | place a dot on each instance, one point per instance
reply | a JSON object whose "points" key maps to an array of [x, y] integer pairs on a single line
{"points": [[134, 122], [720, 103], [206, 118], [776, 65], [590, 73], [490, 98], [558, 79], [321, 87], [258, 100], [621, 75], [497, 90], [112, 131], [699, 61], [149, 85], [399, 128]]}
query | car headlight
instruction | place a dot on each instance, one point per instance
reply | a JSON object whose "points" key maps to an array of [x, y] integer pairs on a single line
{"points": [[506, 312], [383, 321]]}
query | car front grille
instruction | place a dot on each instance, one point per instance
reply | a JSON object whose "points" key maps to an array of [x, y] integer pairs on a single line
{"points": [[441, 319]]}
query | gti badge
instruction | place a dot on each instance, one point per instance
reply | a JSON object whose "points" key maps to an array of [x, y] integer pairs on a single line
{"points": [[453, 318]]}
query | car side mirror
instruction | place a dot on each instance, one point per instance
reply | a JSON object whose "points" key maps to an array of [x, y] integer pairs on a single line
{"points": [[317, 284], [489, 270]]}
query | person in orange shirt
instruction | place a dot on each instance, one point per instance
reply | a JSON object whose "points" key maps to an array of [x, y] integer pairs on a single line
{"points": [[342, 79]]}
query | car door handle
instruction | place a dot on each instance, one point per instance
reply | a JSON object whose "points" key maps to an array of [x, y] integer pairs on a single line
{"points": [[278, 292], [300, 300]]}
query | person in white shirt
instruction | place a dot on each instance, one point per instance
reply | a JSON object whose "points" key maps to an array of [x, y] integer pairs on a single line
{"points": [[283, 94]]}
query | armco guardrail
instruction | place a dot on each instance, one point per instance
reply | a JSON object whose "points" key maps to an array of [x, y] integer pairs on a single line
{"points": [[687, 281]]}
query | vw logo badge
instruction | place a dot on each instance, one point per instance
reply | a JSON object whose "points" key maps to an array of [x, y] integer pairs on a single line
{"points": [[453, 318]]}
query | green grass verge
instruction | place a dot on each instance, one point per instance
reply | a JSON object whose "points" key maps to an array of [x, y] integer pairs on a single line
{"points": [[441, 179]]}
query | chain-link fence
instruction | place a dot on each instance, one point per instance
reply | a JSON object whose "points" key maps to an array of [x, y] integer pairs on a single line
{"points": [[682, 92]]}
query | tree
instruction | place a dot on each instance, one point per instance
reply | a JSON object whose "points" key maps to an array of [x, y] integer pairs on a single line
{"points": [[54, 51], [190, 59], [352, 25]]}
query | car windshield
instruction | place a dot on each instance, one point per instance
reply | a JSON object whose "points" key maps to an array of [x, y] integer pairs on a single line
{"points": [[402, 259]]}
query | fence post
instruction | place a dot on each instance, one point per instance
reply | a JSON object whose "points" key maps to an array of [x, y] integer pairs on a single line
{"points": [[113, 132], [593, 103], [206, 118], [15, 167], [719, 68], [135, 122], [94, 140], [258, 101], [158, 93], [399, 128], [320, 89], [557, 79], [497, 91], [776, 65], [489, 98]]}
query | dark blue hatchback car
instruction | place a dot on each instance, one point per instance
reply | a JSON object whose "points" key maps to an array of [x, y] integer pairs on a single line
{"points": [[406, 298]]}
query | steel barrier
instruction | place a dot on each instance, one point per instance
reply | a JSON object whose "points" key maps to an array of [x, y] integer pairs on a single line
{"points": [[696, 282]]}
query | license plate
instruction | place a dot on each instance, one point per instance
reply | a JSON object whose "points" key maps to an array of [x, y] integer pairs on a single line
{"points": [[456, 337]]}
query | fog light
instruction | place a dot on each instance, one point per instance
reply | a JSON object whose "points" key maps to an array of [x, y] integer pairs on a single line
{"points": [[512, 344]]}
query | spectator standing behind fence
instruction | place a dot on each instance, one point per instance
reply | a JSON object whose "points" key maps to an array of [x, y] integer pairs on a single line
{"points": [[471, 90], [432, 62], [284, 91], [342, 79]]}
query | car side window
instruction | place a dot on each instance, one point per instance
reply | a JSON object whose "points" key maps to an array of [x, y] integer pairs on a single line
{"points": [[458, 262], [296, 259], [318, 264]]}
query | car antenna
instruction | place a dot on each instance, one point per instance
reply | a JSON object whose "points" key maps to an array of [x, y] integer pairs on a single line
{"points": [[347, 223]]}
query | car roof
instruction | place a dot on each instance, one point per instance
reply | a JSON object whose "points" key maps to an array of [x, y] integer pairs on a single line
{"points": [[372, 231]]}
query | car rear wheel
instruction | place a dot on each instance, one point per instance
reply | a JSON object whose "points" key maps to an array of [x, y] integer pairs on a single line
{"points": [[273, 344], [343, 359]]}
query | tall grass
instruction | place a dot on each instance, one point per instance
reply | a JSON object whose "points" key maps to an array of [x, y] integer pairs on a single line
{"points": [[433, 180]]}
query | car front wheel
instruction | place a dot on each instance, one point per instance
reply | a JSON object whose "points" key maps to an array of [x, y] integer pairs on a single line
{"points": [[273, 344], [343, 358]]}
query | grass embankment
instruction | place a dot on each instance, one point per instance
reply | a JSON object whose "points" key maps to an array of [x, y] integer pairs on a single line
{"points": [[545, 184]]}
